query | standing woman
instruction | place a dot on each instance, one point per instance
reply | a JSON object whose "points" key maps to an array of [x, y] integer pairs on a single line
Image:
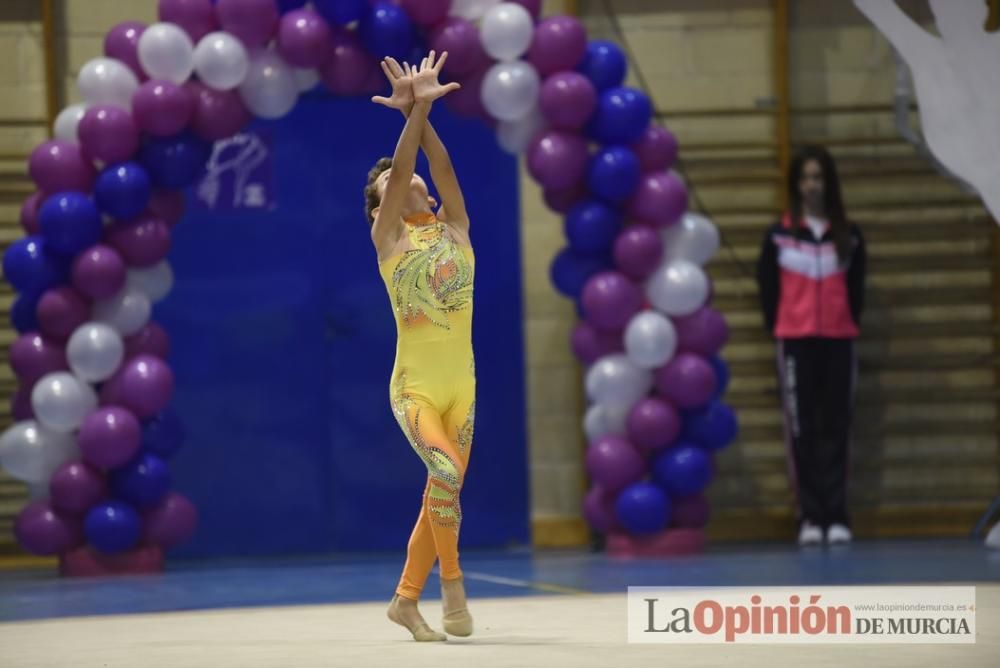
{"points": [[811, 275]]}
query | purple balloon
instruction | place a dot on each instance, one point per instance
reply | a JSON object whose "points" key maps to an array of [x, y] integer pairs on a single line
{"points": [[567, 100], [20, 405], [142, 242], [559, 43], [218, 114], [43, 531], [253, 22], [466, 101], [564, 199], [610, 300], [60, 311], [534, 7], [427, 13], [58, 165], [196, 17], [661, 199], [147, 384], [599, 510], [349, 66], [704, 332], [150, 340], [687, 380], [590, 344], [558, 159], [657, 149], [168, 205], [171, 522], [109, 437], [614, 463], [653, 424], [303, 38], [122, 43], [638, 251], [99, 272], [162, 108], [460, 38], [108, 133], [33, 356], [29, 212], [690, 512], [76, 487]]}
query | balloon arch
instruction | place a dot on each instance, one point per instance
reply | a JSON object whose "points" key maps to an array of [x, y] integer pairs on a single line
{"points": [[94, 430]]}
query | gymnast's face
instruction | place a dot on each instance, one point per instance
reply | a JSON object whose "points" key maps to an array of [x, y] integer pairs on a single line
{"points": [[418, 188], [811, 185]]}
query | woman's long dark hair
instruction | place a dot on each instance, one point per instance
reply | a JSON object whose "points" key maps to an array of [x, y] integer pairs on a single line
{"points": [[833, 203]]}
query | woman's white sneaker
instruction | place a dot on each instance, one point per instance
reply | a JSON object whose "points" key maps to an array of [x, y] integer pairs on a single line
{"points": [[838, 534], [810, 534]]}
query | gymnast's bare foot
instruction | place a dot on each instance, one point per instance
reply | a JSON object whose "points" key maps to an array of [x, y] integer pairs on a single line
{"points": [[404, 612], [457, 621]]}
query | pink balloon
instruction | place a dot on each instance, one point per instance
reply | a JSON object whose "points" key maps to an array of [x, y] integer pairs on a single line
{"points": [[558, 159], [687, 380], [657, 149], [660, 199], [108, 133], [559, 43], [99, 272], [150, 340], [638, 251], [347, 69], [217, 114], [653, 424], [147, 384], [303, 38], [460, 38], [109, 437], [76, 487], [614, 463], [567, 100], [162, 108], [704, 332], [20, 405], [563, 200], [196, 17], [168, 205], [590, 344], [142, 242], [33, 356], [60, 311], [426, 12], [599, 510], [171, 522], [29, 212], [690, 512], [122, 43], [58, 165], [44, 532], [252, 21], [610, 300]]}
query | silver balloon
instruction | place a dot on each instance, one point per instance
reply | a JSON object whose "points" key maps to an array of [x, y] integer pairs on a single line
{"points": [[506, 31], [602, 420], [68, 121], [221, 61], [615, 380], [677, 287], [694, 238], [515, 136], [471, 9], [306, 78], [128, 311], [650, 339], [270, 89], [156, 281], [107, 81], [32, 453], [61, 401], [510, 90], [95, 350], [166, 52]]}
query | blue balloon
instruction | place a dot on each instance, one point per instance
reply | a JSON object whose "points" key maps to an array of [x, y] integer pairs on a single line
{"points": [[143, 482], [32, 266], [683, 469], [70, 222], [113, 526], [621, 116], [386, 30], [713, 427], [175, 162], [721, 376], [122, 191], [24, 314], [642, 508], [163, 435], [285, 6], [592, 226], [613, 174], [604, 64], [570, 271], [341, 12]]}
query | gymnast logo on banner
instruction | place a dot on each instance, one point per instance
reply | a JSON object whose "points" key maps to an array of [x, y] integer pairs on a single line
{"points": [[890, 614], [239, 175]]}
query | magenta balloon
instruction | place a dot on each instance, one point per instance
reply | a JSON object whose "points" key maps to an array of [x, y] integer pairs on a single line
{"points": [[142, 242], [653, 424], [122, 43], [196, 17], [20, 405], [610, 300], [660, 199], [60, 311], [108, 133], [690, 512], [76, 487], [657, 149], [303, 38], [638, 251], [33, 356], [150, 340], [44, 532], [614, 463], [426, 12], [171, 522], [147, 384], [467, 101], [563, 200], [558, 159], [590, 344], [348, 67], [218, 114], [567, 100], [687, 380], [253, 22], [704, 332], [599, 510], [58, 165], [29, 212], [460, 38], [99, 272], [168, 205], [559, 43], [109, 437], [162, 108]]}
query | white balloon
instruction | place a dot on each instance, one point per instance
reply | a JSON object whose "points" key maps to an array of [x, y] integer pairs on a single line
{"points": [[107, 81], [471, 9], [677, 287], [306, 78], [68, 121], [128, 311], [95, 350], [38, 490], [221, 61], [61, 401], [602, 420], [270, 89], [615, 380], [515, 136], [650, 339], [510, 90], [156, 281], [32, 453], [506, 31], [693, 238], [166, 52]]}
